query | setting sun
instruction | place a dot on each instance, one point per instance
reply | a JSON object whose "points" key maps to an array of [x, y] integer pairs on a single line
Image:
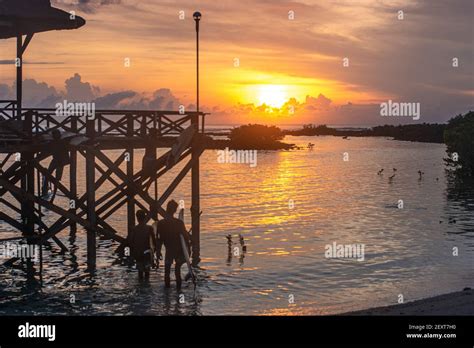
{"points": [[272, 95]]}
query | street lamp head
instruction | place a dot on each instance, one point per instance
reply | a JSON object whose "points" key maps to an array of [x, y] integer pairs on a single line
{"points": [[197, 16]]}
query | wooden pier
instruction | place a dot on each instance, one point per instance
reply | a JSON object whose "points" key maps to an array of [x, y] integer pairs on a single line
{"points": [[26, 141]]}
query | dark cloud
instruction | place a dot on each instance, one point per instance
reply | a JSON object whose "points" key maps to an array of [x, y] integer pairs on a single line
{"points": [[76, 90], [113, 100], [36, 94], [40, 94], [5, 92]]}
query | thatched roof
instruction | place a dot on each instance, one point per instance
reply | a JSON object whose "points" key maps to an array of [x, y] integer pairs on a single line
{"points": [[22, 17]]}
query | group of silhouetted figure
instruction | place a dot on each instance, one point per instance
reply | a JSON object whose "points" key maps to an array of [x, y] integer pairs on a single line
{"points": [[146, 242]]}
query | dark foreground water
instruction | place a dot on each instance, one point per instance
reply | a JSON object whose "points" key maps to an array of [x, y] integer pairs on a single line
{"points": [[408, 251]]}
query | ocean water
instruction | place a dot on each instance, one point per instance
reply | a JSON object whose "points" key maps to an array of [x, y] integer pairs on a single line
{"points": [[288, 209]]}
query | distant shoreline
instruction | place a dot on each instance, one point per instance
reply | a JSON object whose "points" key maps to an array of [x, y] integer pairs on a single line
{"points": [[424, 133], [455, 303]]}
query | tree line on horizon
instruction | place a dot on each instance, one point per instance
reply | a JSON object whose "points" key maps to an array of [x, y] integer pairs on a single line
{"points": [[457, 134]]}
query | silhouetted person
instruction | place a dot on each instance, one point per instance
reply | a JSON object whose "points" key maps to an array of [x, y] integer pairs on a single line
{"points": [[168, 233], [140, 241], [60, 159]]}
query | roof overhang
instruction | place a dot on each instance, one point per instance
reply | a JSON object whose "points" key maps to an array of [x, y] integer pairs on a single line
{"points": [[26, 17]]}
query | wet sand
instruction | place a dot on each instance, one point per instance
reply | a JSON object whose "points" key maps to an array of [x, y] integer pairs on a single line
{"points": [[456, 303]]}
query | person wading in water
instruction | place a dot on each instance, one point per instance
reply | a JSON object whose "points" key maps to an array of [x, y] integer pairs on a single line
{"points": [[168, 233], [140, 241]]}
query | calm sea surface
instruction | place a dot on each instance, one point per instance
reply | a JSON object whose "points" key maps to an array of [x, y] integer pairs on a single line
{"points": [[408, 251]]}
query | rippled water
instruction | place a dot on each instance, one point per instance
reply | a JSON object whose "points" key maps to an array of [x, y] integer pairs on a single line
{"points": [[408, 251]]}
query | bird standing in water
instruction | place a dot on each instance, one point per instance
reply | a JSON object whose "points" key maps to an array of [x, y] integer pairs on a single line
{"points": [[242, 243]]}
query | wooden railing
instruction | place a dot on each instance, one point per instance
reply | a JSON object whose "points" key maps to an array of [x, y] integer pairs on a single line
{"points": [[7, 109], [106, 122]]}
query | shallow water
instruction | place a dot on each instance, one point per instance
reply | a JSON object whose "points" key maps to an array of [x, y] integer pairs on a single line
{"points": [[408, 251]]}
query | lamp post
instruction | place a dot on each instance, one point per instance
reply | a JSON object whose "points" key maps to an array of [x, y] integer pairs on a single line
{"points": [[195, 204], [197, 18]]}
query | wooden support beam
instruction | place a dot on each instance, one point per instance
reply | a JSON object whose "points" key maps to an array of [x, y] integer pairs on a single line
{"points": [[28, 183], [73, 175], [30, 173], [24, 228], [46, 229], [10, 205], [25, 44], [61, 187], [79, 203], [122, 187], [114, 209], [177, 180], [55, 228], [58, 210], [130, 173], [13, 180], [59, 243], [90, 189], [5, 160], [52, 179], [11, 221], [131, 185], [160, 201], [12, 170], [105, 176], [17, 171]]}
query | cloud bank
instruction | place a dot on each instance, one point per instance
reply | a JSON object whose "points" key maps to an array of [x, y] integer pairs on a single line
{"points": [[314, 109]]}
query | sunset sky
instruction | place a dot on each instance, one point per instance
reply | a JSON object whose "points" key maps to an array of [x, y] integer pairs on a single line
{"points": [[281, 62]]}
